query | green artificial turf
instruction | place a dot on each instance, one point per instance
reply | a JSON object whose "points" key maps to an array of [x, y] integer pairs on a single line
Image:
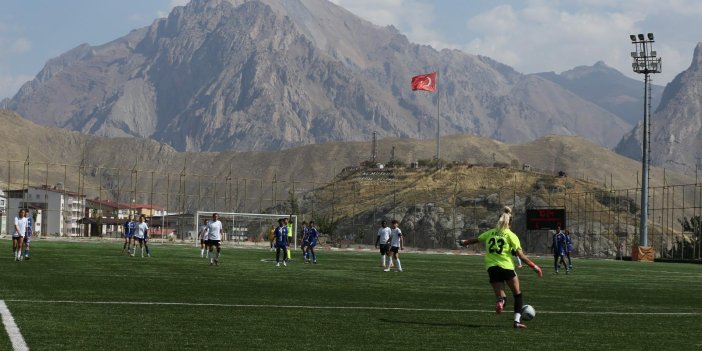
{"points": [[90, 296]]}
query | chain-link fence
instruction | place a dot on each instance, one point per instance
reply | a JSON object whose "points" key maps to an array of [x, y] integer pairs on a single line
{"points": [[435, 207]]}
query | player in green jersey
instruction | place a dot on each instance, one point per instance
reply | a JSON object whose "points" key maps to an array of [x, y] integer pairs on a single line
{"points": [[499, 243]]}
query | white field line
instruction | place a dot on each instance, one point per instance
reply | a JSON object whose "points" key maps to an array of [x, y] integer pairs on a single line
{"points": [[13, 331], [368, 308]]}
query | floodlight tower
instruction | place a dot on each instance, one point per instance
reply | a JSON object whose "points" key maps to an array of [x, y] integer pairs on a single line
{"points": [[645, 62]]}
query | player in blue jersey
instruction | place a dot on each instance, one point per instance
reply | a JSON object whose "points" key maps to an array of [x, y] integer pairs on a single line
{"points": [[569, 247], [558, 246], [281, 242], [312, 237], [305, 241], [28, 236], [129, 226]]}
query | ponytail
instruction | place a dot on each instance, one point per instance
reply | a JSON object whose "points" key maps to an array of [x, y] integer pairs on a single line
{"points": [[505, 219]]}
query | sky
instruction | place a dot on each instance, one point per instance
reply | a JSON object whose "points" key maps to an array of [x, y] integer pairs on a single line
{"points": [[529, 35]]}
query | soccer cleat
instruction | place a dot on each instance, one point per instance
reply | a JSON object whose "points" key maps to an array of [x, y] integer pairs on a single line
{"points": [[399, 270], [386, 270], [315, 262], [277, 264], [518, 325], [500, 306], [285, 263]]}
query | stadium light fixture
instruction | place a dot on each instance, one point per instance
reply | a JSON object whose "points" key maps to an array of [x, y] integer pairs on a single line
{"points": [[646, 62]]}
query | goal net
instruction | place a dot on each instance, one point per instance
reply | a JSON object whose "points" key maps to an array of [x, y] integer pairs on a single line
{"points": [[245, 227]]}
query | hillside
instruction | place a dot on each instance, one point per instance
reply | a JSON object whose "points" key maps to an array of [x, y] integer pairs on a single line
{"points": [[57, 147], [326, 183]]}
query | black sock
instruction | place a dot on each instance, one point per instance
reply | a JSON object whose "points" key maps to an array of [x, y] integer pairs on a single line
{"points": [[518, 303]]}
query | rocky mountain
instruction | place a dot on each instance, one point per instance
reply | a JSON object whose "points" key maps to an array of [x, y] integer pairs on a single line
{"points": [[676, 126], [268, 74], [607, 88]]}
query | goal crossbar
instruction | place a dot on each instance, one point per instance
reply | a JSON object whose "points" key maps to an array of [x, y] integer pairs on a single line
{"points": [[233, 215]]}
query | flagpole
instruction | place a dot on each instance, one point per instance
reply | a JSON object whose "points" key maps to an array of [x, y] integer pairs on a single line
{"points": [[438, 120]]}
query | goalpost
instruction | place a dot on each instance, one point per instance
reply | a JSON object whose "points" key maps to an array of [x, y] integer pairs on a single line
{"points": [[238, 227]]}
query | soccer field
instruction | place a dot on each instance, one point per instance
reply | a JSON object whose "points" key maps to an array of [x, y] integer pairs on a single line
{"points": [[89, 296]]}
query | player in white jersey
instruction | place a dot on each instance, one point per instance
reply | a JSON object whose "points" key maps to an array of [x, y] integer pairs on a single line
{"points": [[383, 242], [214, 238], [202, 235], [20, 232], [397, 243], [140, 234]]}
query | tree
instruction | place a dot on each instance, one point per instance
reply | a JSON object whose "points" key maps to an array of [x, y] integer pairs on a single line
{"points": [[325, 225], [294, 205], [692, 225]]}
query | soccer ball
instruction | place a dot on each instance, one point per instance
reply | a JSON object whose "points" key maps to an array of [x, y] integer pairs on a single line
{"points": [[528, 312]]}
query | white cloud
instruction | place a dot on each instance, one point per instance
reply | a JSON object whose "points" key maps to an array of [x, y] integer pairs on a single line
{"points": [[175, 3], [416, 19], [10, 84], [171, 5], [543, 37], [20, 46], [549, 35]]}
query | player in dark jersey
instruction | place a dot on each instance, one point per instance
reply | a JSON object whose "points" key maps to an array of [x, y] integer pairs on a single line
{"points": [[312, 237], [281, 242], [129, 227], [569, 248], [305, 241], [558, 246], [28, 236]]}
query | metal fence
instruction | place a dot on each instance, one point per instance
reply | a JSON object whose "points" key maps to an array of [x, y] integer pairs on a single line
{"points": [[603, 222]]}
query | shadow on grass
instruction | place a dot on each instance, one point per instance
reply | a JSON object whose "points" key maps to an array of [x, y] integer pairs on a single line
{"points": [[436, 324]]}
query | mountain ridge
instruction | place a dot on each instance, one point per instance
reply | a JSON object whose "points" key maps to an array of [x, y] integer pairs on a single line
{"points": [[238, 75]]}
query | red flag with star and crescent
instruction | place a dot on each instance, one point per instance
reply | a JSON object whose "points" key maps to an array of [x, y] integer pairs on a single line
{"points": [[425, 82]]}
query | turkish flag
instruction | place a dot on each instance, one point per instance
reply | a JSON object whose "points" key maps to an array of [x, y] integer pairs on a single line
{"points": [[424, 82]]}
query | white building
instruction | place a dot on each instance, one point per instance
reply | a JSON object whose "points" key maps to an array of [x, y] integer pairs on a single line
{"points": [[56, 211]]}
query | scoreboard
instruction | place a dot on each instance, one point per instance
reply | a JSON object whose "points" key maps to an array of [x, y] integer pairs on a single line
{"points": [[545, 218]]}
